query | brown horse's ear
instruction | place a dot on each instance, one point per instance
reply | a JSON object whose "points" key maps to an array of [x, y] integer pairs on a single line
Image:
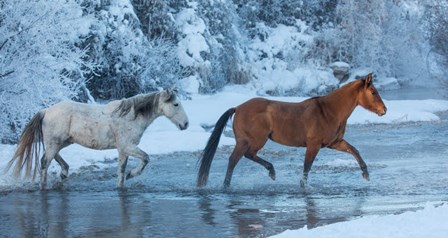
{"points": [[368, 80]]}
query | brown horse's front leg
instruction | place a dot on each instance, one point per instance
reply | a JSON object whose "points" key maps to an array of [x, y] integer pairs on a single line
{"points": [[310, 155], [344, 146]]}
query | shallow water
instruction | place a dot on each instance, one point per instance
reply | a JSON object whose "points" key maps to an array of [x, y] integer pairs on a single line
{"points": [[408, 167], [410, 93]]}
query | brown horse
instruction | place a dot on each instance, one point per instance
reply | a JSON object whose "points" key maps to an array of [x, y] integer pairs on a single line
{"points": [[314, 123]]}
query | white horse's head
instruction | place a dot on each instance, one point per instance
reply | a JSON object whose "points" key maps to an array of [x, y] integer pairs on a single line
{"points": [[171, 107]]}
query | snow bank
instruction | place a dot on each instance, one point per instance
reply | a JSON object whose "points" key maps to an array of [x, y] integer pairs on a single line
{"points": [[429, 222]]}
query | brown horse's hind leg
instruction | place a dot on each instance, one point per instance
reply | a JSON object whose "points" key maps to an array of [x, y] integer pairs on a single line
{"points": [[310, 155], [264, 163], [238, 152], [344, 146]]}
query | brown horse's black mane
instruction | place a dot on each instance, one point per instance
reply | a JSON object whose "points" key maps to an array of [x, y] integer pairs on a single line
{"points": [[142, 104]]}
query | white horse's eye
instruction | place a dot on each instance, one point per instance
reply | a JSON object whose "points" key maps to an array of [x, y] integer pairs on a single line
{"points": [[176, 104]]}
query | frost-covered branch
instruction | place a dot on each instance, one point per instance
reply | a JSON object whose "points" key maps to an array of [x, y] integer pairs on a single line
{"points": [[38, 58]]}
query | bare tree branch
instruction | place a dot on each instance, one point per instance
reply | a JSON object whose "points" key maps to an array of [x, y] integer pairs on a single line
{"points": [[6, 74], [3, 44]]}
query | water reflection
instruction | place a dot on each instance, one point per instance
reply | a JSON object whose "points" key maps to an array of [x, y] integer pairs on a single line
{"points": [[65, 214], [312, 219], [53, 218], [34, 217], [139, 214], [261, 215], [247, 219], [208, 213]]}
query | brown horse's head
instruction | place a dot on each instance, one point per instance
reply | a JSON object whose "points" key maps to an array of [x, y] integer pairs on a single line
{"points": [[369, 98]]}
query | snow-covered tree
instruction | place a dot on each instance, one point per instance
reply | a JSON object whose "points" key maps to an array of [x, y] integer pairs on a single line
{"points": [[227, 42], [129, 62], [386, 36], [436, 21], [40, 63]]}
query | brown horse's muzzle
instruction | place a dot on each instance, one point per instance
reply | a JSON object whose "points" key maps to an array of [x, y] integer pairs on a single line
{"points": [[382, 112]]}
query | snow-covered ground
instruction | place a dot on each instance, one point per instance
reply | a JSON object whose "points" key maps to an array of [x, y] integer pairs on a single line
{"points": [[429, 222], [203, 110]]}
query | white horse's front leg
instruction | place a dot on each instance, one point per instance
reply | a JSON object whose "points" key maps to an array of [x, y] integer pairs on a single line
{"points": [[122, 162], [138, 153]]}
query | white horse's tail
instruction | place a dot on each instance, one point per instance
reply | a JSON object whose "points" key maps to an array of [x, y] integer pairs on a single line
{"points": [[29, 147]]}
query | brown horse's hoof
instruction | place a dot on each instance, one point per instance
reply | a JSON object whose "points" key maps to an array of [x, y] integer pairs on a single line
{"points": [[272, 175], [365, 175], [303, 183]]}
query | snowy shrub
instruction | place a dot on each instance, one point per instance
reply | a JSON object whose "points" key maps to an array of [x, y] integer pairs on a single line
{"points": [[386, 36], [192, 48], [39, 61], [208, 46], [436, 20], [156, 17], [286, 12], [226, 41], [277, 64], [129, 63]]}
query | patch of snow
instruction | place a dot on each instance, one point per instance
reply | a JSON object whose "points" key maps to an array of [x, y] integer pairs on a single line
{"points": [[429, 222]]}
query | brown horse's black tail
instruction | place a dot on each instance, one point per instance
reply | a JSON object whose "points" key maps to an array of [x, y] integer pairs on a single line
{"points": [[29, 147], [210, 148]]}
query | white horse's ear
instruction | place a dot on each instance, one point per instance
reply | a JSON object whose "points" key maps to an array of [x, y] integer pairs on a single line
{"points": [[168, 95], [173, 90]]}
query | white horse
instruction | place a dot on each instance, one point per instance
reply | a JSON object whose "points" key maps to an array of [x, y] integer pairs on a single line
{"points": [[119, 124]]}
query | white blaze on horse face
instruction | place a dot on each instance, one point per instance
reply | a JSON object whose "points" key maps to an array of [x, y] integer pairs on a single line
{"points": [[172, 108]]}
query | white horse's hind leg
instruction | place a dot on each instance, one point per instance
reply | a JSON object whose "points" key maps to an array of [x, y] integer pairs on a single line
{"points": [[138, 153], [122, 162], [64, 166], [45, 162]]}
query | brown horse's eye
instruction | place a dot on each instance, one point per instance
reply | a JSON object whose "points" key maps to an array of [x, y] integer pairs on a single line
{"points": [[373, 92]]}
